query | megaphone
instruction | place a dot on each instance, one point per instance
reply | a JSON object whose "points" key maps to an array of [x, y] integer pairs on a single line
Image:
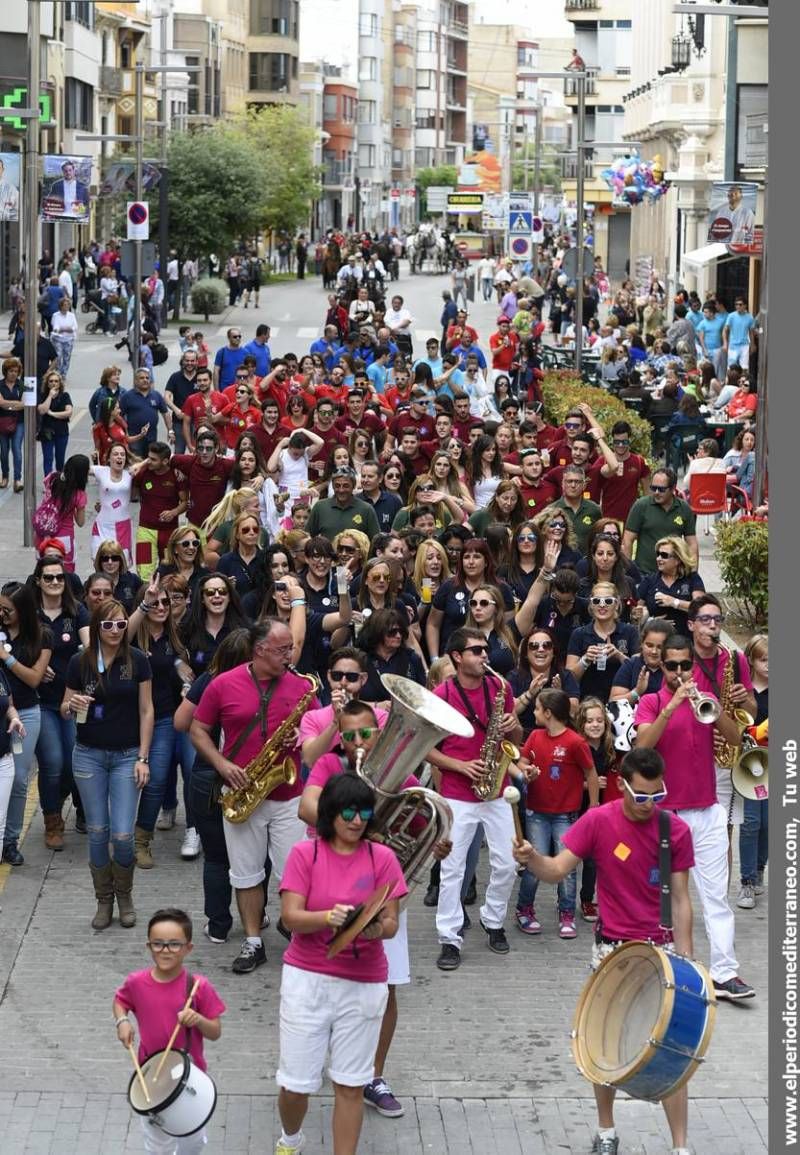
{"points": [[750, 775]]}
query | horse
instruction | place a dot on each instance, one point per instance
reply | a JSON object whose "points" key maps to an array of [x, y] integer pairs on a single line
{"points": [[331, 263]]}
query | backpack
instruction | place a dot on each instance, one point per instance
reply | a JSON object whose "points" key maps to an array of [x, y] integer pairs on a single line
{"points": [[47, 515], [160, 353]]}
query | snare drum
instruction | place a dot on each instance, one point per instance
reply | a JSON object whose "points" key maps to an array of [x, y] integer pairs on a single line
{"points": [[182, 1098], [644, 1021]]}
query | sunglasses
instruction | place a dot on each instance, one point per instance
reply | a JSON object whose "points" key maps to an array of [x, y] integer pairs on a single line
{"points": [[188, 543], [573, 424], [379, 577], [664, 556], [642, 799], [659, 488], [540, 646], [178, 597], [602, 601], [684, 666], [344, 675], [558, 525], [710, 619], [348, 813], [394, 632], [476, 649], [215, 593], [249, 529], [108, 557], [52, 579], [620, 441], [113, 624], [345, 549], [482, 602], [364, 732], [526, 537], [172, 946], [161, 602]]}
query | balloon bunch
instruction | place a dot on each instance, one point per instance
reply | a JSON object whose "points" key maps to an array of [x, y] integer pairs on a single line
{"points": [[634, 180]]}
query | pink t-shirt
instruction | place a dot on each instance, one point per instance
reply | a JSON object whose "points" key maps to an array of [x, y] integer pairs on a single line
{"points": [[687, 747], [626, 856], [455, 785], [314, 722], [741, 672], [325, 877], [156, 1007], [231, 700]]}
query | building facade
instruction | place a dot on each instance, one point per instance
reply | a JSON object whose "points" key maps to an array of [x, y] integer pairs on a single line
{"points": [[273, 52], [339, 151]]}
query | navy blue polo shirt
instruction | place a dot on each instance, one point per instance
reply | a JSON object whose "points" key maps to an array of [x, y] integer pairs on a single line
{"points": [[140, 409]]}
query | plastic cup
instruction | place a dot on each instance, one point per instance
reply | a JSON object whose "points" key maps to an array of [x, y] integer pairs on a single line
{"points": [[16, 743], [342, 579], [81, 714], [427, 591]]}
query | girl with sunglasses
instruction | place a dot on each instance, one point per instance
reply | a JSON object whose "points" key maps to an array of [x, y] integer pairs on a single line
{"points": [[426, 493], [250, 469], [215, 611], [113, 520], [244, 562], [68, 623], [110, 561], [606, 565], [96, 589], [244, 413], [450, 604], [539, 667], [26, 647], [526, 559], [487, 614], [384, 638], [183, 556], [108, 690], [218, 526], [596, 651], [152, 629], [555, 526]]}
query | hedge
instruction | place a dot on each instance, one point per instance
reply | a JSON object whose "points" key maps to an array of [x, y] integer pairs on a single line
{"points": [[209, 295], [743, 554], [562, 389]]}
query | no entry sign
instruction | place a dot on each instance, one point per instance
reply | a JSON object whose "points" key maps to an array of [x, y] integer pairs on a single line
{"points": [[138, 221]]}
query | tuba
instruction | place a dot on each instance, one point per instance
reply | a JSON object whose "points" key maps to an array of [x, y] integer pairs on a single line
{"points": [[497, 753], [417, 721], [272, 766]]}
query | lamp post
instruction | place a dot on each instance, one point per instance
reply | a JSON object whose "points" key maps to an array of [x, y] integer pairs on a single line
{"points": [[31, 220]]}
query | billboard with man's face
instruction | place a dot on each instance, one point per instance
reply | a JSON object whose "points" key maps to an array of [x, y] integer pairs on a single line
{"points": [[9, 186], [65, 188], [732, 213]]}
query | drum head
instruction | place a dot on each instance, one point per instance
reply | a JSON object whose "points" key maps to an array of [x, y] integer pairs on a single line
{"points": [[162, 1090], [622, 1007]]}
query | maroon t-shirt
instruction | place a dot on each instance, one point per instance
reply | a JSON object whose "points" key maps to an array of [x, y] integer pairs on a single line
{"points": [[424, 425], [617, 494], [536, 497], [206, 484], [157, 492], [267, 442], [368, 421]]}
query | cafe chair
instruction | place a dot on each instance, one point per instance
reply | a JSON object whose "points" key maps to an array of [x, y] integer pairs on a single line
{"points": [[682, 441], [708, 495]]}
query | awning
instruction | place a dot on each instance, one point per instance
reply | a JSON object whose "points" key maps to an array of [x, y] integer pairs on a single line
{"points": [[699, 258]]}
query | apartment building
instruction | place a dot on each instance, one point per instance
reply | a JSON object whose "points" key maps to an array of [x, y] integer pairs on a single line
{"points": [[339, 151], [603, 37], [441, 83], [273, 52]]}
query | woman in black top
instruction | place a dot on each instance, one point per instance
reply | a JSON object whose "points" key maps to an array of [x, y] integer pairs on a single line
{"points": [[152, 629], [68, 622], [526, 559], [487, 614], [244, 562], [110, 560], [108, 689], [184, 555], [10, 725], [55, 412], [539, 667], [606, 565], [384, 639], [597, 651], [26, 650], [555, 525], [214, 612]]}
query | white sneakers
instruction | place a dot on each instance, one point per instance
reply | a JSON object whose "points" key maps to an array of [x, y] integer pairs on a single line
{"points": [[190, 847]]}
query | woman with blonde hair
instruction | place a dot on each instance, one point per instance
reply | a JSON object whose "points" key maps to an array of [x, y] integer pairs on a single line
{"points": [[425, 493], [487, 613], [244, 561], [183, 556], [218, 525], [554, 525], [447, 478], [352, 549], [670, 591], [110, 560], [431, 565], [597, 650], [55, 412]]}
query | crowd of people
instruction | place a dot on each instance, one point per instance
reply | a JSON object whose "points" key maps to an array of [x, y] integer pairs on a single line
{"points": [[307, 524]]}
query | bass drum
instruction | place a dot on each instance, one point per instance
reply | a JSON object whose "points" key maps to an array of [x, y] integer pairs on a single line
{"points": [[182, 1098], [644, 1021]]}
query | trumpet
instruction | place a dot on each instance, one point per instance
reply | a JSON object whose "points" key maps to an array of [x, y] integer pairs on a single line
{"points": [[705, 707]]}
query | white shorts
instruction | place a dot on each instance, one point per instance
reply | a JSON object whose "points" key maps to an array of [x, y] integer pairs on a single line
{"points": [[731, 802], [323, 1015], [273, 828], [396, 951], [158, 1142]]}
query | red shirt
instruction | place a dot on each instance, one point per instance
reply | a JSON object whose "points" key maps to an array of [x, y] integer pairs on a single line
{"points": [[394, 396], [157, 493], [454, 333], [368, 421], [536, 497], [239, 420], [617, 494], [331, 438], [503, 355], [461, 428], [206, 484], [196, 409], [546, 436], [455, 785], [267, 442], [687, 747], [562, 761], [424, 425]]}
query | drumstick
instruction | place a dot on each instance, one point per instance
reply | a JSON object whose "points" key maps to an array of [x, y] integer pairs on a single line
{"points": [[174, 1034], [512, 796], [139, 1074]]}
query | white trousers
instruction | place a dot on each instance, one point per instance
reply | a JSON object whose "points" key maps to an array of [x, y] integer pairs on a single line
{"points": [[160, 1143], [6, 782], [272, 828], [710, 874], [498, 826]]}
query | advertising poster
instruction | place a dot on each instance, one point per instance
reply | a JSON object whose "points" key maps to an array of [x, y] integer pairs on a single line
{"points": [[65, 188], [732, 213], [9, 186]]}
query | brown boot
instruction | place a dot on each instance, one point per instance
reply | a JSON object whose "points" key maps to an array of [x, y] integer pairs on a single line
{"points": [[54, 831], [123, 886], [143, 839], [104, 893]]}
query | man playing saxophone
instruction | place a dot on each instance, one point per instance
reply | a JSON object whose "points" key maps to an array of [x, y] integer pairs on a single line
{"points": [[468, 766], [251, 703]]}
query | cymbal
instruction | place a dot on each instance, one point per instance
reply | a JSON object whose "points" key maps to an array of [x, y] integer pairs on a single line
{"points": [[358, 919]]}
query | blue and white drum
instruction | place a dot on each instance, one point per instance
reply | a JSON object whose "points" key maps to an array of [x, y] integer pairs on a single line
{"points": [[644, 1021]]}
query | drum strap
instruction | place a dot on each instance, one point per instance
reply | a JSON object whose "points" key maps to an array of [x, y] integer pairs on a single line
{"points": [[188, 1030], [665, 867]]}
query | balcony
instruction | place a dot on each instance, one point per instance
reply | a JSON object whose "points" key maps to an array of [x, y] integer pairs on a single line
{"points": [[590, 85], [569, 167], [581, 5], [457, 28], [337, 174], [110, 80]]}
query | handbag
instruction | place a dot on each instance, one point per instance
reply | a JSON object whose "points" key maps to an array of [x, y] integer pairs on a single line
{"points": [[8, 424]]}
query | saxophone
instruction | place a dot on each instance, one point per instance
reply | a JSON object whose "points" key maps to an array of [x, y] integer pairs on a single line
{"points": [[725, 754], [272, 766], [496, 753]]}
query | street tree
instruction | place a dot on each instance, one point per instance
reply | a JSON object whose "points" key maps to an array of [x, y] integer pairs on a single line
{"points": [[284, 144]]}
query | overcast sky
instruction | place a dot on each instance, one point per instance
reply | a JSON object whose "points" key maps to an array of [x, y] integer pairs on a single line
{"points": [[329, 28]]}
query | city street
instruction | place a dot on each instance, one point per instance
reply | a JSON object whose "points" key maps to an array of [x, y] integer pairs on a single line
{"points": [[481, 1059]]}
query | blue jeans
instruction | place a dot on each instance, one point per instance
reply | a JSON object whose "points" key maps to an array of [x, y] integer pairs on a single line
{"points": [[183, 753], [22, 772], [12, 441], [54, 755], [161, 750], [754, 838], [54, 450], [110, 798], [544, 831]]}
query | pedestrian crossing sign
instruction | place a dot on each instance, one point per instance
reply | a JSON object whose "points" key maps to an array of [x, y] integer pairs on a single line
{"points": [[520, 222]]}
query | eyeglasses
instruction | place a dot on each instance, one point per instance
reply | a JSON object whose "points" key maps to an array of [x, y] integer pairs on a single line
{"points": [[52, 579], [710, 619], [620, 441], [379, 577], [113, 624], [602, 601], [664, 556], [344, 675], [643, 799], [482, 602], [573, 424], [684, 666], [659, 488], [249, 529], [540, 646], [172, 945], [108, 557], [178, 597], [364, 732], [348, 813], [476, 649]]}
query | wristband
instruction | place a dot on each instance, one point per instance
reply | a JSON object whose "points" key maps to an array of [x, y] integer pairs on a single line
{"points": [[328, 919], [297, 602], [675, 603], [143, 758], [583, 662], [178, 662], [547, 575], [121, 1019], [10, 661], [635, 696]]}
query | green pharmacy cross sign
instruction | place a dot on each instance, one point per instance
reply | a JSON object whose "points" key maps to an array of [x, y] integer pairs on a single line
{"points": [[19, 99]]}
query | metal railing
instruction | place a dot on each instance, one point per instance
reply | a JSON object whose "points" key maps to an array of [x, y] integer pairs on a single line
{"points": [[571, 83], [580, 5]]}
